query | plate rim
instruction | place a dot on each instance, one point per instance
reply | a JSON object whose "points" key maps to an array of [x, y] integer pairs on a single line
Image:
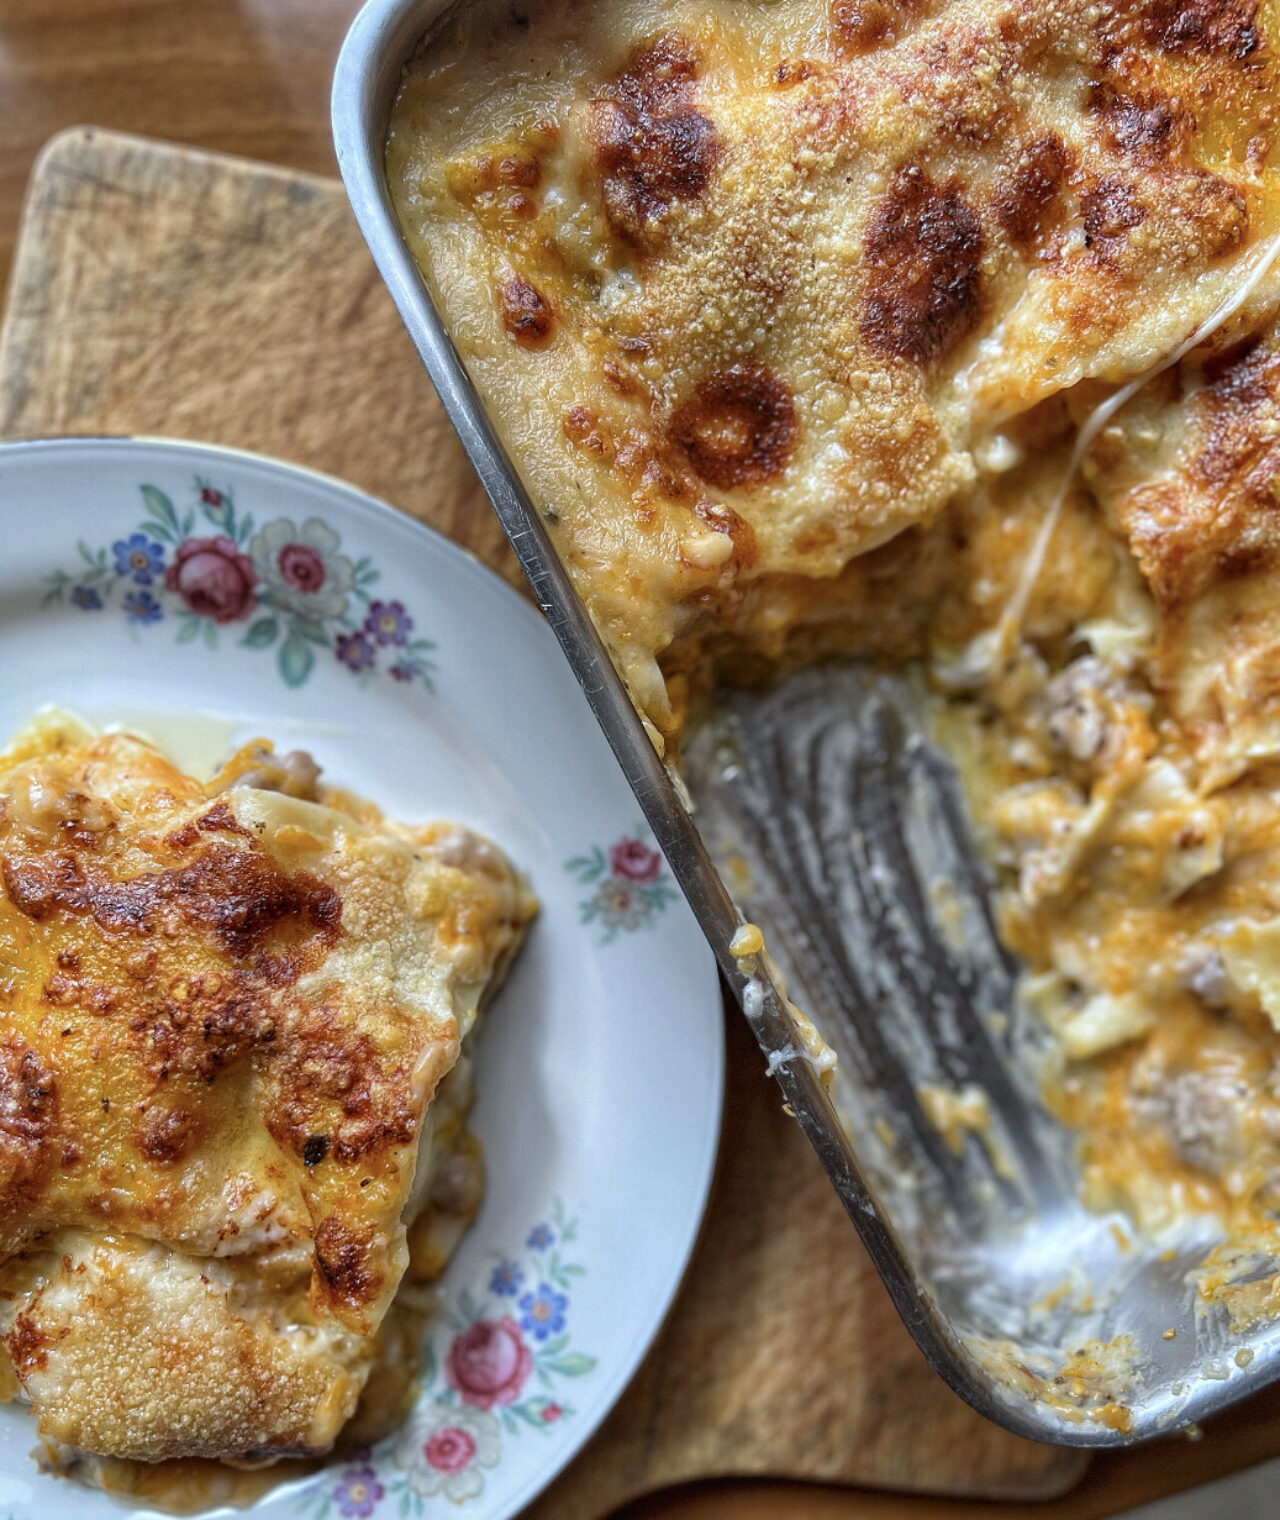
{"points": [[379, 513]]}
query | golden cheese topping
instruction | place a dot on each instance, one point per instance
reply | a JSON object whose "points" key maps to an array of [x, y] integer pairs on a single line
{"points": [[226, 1015], [791, 315], [752, 288]]}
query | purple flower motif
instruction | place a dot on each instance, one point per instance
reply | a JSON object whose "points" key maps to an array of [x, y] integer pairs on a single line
{"points": [[140, 557], [87, 599], [540, 1237], [358, 1492], [388, 623], [505, 1279], [404, 670], [354, 651], [542, 1313], [142, 607]]}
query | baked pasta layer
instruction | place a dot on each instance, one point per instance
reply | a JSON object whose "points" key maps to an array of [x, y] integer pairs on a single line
{"points": [[751, 289], [795, 317], [231, 1022]]}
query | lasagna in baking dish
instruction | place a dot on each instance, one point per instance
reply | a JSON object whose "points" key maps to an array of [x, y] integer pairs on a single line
{"points": [[798, 318], [234, 1078]]}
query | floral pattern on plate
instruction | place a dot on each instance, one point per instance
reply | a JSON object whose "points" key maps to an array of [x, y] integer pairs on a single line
{"points": [[494, 1360], [288, 583], [631, 885]]}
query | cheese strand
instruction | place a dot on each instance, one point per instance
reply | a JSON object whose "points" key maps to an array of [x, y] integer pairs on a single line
{"points": [[1011, 619]]}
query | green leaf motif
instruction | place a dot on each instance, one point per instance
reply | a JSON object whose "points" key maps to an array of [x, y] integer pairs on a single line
{"points": [[262, 634], [160, 509], [210, 636], [574, 1364], [302, 628], [295, 659], [587, 868], [190, 632]]}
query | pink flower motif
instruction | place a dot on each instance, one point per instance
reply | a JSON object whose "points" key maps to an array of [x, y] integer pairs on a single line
{"points": [[211, 496], [551, 1412], [450, 1450], [214, 579], [488, 1363], [302, 567], [634, 861]]}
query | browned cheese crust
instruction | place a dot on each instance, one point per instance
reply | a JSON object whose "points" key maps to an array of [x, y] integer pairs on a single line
{"points": [[223, 1021], [750, 288], [790, 315]]}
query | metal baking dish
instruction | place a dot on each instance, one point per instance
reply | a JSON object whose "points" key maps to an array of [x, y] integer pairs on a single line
{"points": [[1047, 1318]]}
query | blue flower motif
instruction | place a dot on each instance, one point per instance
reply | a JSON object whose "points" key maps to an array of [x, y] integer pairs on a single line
{"points": [[142, 607], [388, 623], [540, 1237], [542, 1313], [87, 599], [505, 1279], [140, 557]]}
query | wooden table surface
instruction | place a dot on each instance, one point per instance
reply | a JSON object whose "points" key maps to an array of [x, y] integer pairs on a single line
{"points": [[252, 77]]}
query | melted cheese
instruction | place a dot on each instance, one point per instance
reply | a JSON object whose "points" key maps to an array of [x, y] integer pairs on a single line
{"points": [[795, 316], [229, 1081], [751, 289]]}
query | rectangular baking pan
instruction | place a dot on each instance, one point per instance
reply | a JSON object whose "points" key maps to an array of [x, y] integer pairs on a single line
{"points": [[1047, 1318]]}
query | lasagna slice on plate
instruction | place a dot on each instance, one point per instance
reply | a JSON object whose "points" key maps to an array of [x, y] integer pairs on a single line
{"points": [[234, 1078]]}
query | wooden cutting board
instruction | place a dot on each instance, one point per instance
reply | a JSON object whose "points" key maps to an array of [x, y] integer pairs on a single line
{"points": [[163, 291]]}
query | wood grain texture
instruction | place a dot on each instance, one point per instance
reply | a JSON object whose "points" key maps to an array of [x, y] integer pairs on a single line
{"points": [[1116, 1482], [165, 292], [240, 76], [157, 290]]}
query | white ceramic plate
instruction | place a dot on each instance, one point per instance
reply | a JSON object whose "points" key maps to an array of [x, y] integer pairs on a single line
{"points": [[139, 579]]}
